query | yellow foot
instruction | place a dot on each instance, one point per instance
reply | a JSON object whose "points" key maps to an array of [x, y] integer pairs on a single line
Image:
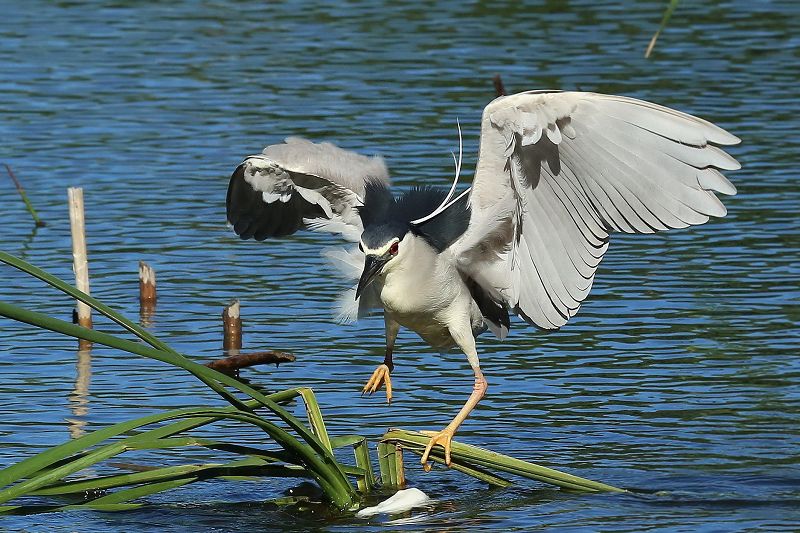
{"points": [[442, 438], [379, 377]]}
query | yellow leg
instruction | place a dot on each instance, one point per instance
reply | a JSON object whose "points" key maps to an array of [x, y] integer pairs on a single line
{"points": [[380, 377], [444, 437], [381, 374]]}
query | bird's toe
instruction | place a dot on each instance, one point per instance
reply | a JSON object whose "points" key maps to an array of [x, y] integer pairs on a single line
{"points": [[379, 377], [443, 438]]}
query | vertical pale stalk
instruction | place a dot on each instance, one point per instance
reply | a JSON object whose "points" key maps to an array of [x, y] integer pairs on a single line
{"points": [[664, 20], [80, 261]]}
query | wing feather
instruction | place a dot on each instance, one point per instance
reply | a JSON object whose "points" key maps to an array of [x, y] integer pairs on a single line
{"points": [[300, 184], [560, 171]]}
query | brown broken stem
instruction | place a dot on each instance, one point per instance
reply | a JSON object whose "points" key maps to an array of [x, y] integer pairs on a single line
{"points": [[231, 365], [499, 88]]}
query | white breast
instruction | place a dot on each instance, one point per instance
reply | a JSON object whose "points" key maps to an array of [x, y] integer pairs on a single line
{"points": [[428, 296]]}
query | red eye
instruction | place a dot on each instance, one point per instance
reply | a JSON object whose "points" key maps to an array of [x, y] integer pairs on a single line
{"points": [[394, 248]]}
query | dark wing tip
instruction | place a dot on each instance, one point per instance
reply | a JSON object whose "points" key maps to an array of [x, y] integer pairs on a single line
{"points": [[233, 198], [253, 218]]}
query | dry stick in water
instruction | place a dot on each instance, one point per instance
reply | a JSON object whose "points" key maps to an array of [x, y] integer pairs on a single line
{"points": [[80, 262], [231, 365], [232, 343], [36, 220]]}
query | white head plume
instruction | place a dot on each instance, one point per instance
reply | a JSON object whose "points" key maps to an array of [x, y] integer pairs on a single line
{"points": [[447, 200]]}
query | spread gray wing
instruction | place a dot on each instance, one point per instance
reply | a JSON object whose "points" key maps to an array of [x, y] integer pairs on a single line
{"points": [[559, 171], [299, 184]]}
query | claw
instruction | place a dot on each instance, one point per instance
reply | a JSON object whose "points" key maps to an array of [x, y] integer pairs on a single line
{"points": [[442, 438], [379, 377]]}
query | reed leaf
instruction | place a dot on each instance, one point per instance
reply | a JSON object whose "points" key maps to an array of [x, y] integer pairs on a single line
{"points": [[140, 491], [246, 469], [208, 375], [472, 457], [92, 302], [390, 461], [664, 21], [361, 453], [335, 486], [314, 414], [31, 465], [360, 445], [481, 474], [119, 480]]}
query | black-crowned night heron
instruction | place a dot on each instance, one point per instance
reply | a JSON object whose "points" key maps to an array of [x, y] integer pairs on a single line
{"points": [[557, 172]]}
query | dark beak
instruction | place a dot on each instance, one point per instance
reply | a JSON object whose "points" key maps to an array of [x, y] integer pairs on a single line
{"points": [[372, 267]]}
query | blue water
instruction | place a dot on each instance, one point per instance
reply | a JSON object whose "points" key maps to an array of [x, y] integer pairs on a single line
{"points": [[679, 377]]}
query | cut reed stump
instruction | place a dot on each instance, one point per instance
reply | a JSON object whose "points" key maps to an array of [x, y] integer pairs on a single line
{"points": [[80, 261], [231, 328], [147, 294], [147, 284]]}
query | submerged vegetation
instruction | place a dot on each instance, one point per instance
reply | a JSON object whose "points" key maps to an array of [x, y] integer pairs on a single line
{"points": [[63, 477]]}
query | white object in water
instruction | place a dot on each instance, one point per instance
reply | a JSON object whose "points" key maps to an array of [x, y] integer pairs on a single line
{"points": [[403, 500]]}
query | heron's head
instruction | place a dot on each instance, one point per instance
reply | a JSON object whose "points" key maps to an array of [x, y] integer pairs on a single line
{"points": [[393, 236], [384, 246]]}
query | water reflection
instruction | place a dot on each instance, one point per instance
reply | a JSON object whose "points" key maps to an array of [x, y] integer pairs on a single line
{"points": [[147, 311], [79, 397], [26, 243]]}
